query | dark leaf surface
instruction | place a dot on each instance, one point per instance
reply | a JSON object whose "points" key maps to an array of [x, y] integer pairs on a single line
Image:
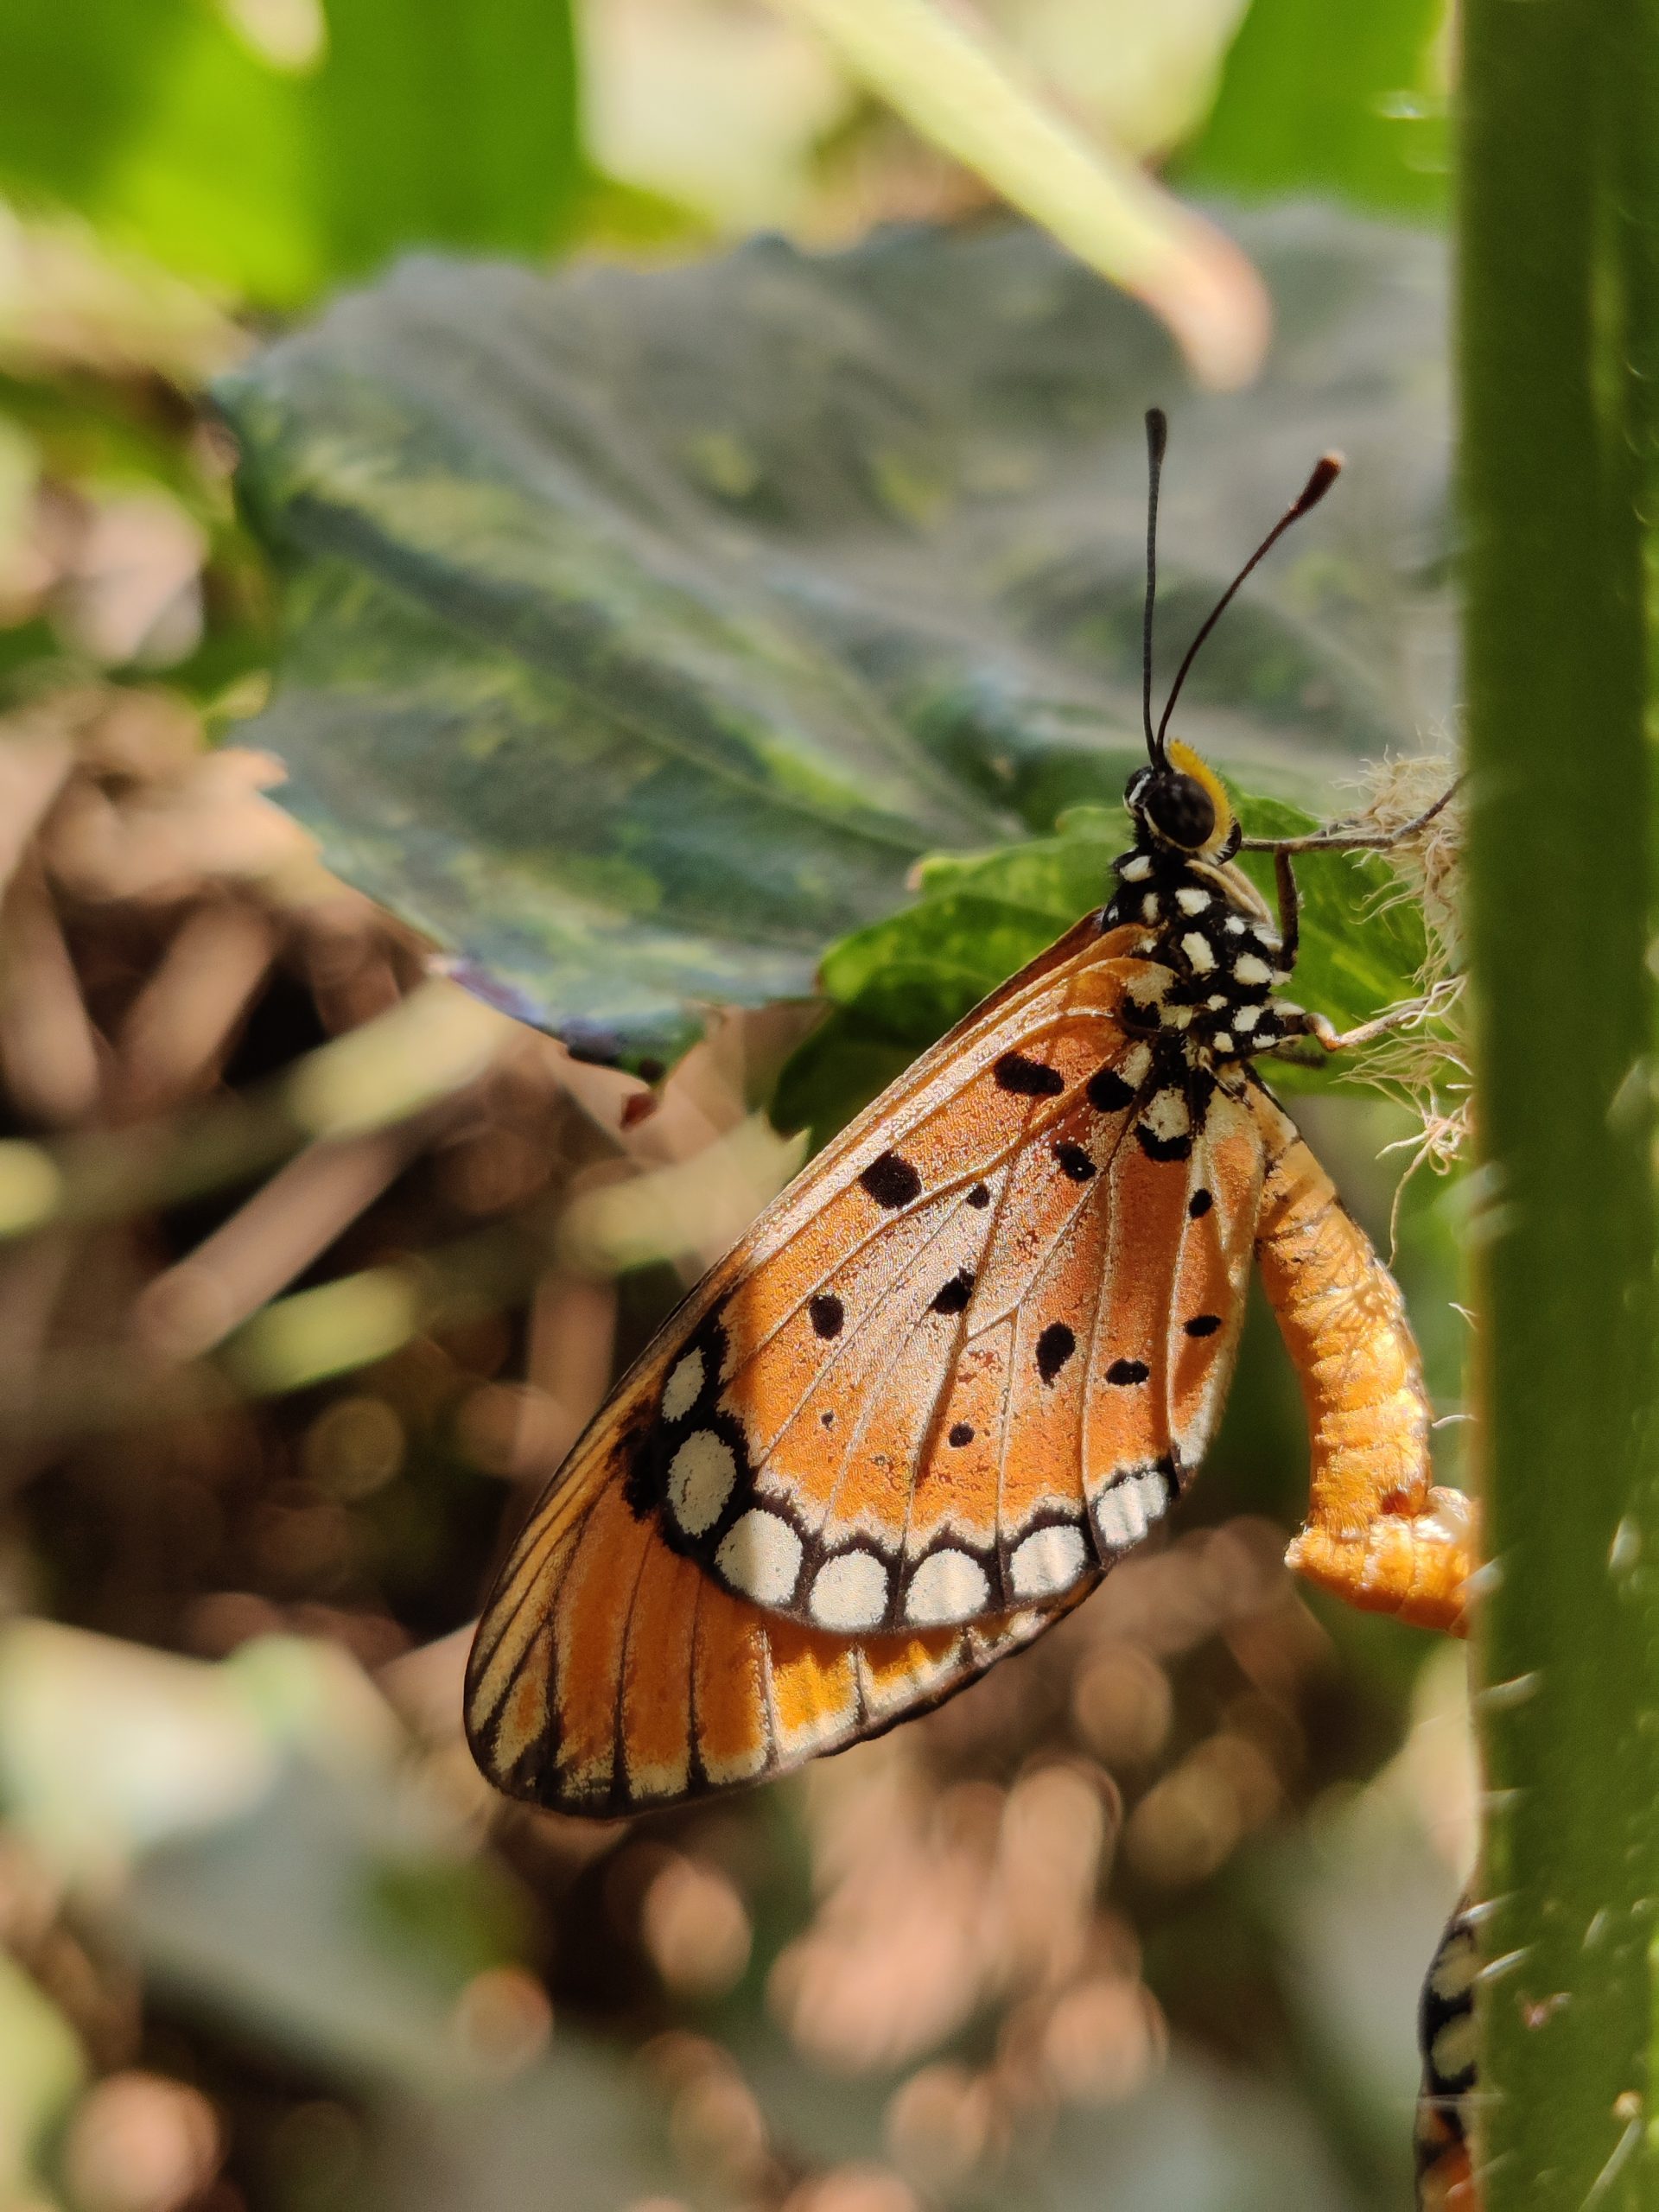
{"points": [[647, 628]]}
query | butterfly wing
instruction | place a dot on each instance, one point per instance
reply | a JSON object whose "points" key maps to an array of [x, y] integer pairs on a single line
{"points": [[611, 1673]]}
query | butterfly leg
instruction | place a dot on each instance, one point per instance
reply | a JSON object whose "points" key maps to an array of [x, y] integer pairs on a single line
{"points": [[1324, 1033], [1344, 838]]}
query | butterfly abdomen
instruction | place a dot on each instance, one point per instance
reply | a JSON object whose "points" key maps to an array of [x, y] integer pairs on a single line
{"points": [[1379, 1533]]}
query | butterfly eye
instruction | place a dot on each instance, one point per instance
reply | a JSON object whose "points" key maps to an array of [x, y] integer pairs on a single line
{"points": [[1180, 809]]}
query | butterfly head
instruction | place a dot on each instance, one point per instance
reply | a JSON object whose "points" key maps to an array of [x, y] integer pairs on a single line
{"points": [[1179, 804]]}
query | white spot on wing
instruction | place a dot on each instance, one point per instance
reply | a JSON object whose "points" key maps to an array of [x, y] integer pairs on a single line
{"points": [[680, 1391], [1135, 1065], [1196, 948], [700, 1479], [1249, 968], [1453, 1972], [948, 1585], [1190, 900], [1136, 870], [1166, 1116], [1223, 1040], [1121, 1516], [1125, 1512], [760, 1555], [850, 1592], [1049, 1559], [1246, 1018], [1150, 907]]}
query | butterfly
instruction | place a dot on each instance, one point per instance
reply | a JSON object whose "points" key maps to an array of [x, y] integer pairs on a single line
{"points": [[975, 1352], [1447, 2037]]}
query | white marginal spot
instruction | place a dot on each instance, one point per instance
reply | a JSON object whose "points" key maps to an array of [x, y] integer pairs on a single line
{"points": [[1235, 925], [1154, 1493], [1048, 1559], [849, 1592], [1197, 947], [760, 1555], [1135, 1065], [947, 1587], [1165, 1115], [1456, 2047], [1191, 901], [680, 1391], [1136, 870], [1128, 1509], [1223, 1040], [1121, 1516], [700, 1478], [1454, 1973], [1250, 969], [1246, 1018]]}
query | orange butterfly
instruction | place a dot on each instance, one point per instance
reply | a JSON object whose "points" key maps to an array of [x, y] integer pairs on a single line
{"points": [[973, 1354]]}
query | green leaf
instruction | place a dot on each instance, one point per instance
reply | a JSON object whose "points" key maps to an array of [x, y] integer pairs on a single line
{"points": [[1356, 108], [895, 986], [435, 125], [419, 124], [647, 628], [1559, 341]]}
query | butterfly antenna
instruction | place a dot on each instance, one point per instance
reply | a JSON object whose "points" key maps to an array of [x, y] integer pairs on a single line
{"points": [[1326, 470], [1157, 439]]}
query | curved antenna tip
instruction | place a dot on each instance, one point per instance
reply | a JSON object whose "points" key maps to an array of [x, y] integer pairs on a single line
{"points": [[1157, 432], [1326, 470]]}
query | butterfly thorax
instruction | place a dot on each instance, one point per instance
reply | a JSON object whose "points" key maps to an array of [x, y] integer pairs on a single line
{"points": [[1215, 957]]}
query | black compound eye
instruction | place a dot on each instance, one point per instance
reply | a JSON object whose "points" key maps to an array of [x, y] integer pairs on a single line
{"points": [[1181, 809]]}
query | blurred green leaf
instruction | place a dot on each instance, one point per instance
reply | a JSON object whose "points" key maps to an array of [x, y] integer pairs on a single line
{"points": [[645, 629], [422, 124], [42, 2070], [1355, 107], [435, 125]]}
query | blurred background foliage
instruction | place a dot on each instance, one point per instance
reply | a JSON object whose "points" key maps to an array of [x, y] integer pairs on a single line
{"points": [[312, 1264]]}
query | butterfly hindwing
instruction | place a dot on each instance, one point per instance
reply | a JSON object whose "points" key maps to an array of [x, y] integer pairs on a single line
{"points": [[622, 1676], [945, 1380]]}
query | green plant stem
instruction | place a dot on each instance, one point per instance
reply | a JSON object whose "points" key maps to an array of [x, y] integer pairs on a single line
{"points": [[1559, 869]]}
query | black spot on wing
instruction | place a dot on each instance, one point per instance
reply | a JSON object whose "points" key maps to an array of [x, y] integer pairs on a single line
{"points": [[979, 1196], [1071, 1159], [644, 1483], [1027, 1078], [1200, 1204], [1203, 1324], [961, 1433], [1125, 1371], [1156, 1147], [828, 1313], [1054, 1347], [1107, 1092], [891, 1181], [955, 1294]]}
